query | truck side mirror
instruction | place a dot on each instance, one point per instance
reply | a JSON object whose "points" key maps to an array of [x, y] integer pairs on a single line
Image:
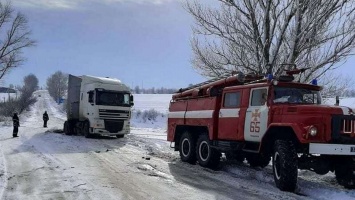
{"points": [[131, 100]]}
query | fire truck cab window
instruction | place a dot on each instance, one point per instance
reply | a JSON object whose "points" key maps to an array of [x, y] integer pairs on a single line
{"points": [[259, 97], [232, 100]]}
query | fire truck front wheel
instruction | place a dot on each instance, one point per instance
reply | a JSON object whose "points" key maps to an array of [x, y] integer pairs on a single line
{"points": [[187, 148], [207, 156], [284, 164], [344, 173]]}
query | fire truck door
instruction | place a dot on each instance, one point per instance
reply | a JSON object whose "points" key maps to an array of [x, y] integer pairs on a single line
{"points": [[229, 116], [256, 117]]}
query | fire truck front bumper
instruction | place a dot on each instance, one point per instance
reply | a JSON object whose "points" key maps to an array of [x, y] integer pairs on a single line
{"points": [[332, 149]]}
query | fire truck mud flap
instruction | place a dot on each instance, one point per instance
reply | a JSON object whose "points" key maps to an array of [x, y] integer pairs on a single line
{"points": [[332, 149]]}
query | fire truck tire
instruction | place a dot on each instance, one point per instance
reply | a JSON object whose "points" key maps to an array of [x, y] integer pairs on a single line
{"points": [[187, 148], [284, 165], [258, 160], [207, 156], [86, 129], [345, 176]]}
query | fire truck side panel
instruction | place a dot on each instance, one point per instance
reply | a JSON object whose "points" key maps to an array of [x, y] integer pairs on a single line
{"points": [[230, 126], [201, 112], [176, 117]]}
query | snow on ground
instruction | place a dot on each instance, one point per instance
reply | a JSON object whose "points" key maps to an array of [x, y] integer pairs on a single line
{"points": [[42, 164], [349, 102]]}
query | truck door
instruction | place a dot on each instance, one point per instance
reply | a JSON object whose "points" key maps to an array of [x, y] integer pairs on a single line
{"points": [[228, 120], [256, 115], [90, 104]]}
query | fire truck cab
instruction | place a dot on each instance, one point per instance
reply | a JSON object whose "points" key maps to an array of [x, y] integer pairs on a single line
{"points": [[257, 119]]}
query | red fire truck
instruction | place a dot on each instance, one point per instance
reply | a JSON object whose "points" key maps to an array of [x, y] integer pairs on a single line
{"points": [[253, 118]]}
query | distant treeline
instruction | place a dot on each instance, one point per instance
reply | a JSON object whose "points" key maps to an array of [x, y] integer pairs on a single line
{"points": [[153, 90]]}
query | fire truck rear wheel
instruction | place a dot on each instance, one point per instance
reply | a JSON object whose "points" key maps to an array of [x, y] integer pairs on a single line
{"points": [[284, 165], [207, 156], [187, 148]]}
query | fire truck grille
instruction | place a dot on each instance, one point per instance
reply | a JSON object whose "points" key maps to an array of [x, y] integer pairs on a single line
{"points": [[113, 126], [343, 129], [347, 126]]}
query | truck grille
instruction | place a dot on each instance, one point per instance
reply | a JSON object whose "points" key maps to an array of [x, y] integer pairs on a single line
{"points": [[347, 126], [113, 126], [343, 129], [113, 114]]}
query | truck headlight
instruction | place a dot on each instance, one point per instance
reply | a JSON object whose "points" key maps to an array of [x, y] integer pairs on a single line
{"points": [[313, 131]]}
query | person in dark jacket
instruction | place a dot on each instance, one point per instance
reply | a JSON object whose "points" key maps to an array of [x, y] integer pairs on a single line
{"points": [[45, 118], [16, 123]]}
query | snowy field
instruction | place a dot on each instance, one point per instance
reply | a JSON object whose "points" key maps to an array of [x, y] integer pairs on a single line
{"points": [[43, 164], [7, 96]]}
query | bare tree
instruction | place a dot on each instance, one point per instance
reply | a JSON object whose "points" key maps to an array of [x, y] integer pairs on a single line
{"points": [[30, 82], [249, 35], [14, 37], [57, 84]]}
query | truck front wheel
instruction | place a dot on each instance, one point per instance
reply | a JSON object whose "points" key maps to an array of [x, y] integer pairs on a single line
{"points": [[187, 148], [86, 129], [284, 164], [207, 156]]}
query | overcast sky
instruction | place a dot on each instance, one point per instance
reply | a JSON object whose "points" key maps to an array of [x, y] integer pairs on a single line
{"points": [[138, 41]]}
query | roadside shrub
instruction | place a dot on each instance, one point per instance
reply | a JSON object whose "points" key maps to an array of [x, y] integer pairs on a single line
{"points": [[8, 108], [138, 114], [150, 115]]}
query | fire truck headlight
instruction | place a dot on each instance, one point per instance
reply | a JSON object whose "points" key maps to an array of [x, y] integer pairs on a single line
{"points": [[313, 131]]}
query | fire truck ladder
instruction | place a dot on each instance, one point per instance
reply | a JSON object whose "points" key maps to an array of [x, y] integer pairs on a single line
{"points": [[201, 84]]}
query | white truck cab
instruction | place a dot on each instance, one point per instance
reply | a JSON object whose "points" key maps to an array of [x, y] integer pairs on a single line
{"points": [[98, 105]]}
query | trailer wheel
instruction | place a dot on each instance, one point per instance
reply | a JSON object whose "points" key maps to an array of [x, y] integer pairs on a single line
{"points": [[206, 155], [187, 148], [86, 129], [284, 165], [344, 174], [258, 160], [66, 128]]}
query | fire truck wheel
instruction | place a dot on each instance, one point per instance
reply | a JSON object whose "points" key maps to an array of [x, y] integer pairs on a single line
{"points": [[258, 160], [207, 156], [187, 148], [86, 130], [284, 165], [344, 175]]}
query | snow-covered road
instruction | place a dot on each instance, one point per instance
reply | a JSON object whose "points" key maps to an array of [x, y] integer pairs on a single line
{"points": [[42, 164]]}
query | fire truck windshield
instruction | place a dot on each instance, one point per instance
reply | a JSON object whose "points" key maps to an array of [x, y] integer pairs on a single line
{"points": [[296, 95], [109, 98]]}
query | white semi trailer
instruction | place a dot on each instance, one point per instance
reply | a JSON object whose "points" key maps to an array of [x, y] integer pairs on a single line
{"points": [[97, 105]]}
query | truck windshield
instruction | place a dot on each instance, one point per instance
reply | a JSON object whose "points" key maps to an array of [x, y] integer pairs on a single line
{"points": [[296, 95], [112, 98]]}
